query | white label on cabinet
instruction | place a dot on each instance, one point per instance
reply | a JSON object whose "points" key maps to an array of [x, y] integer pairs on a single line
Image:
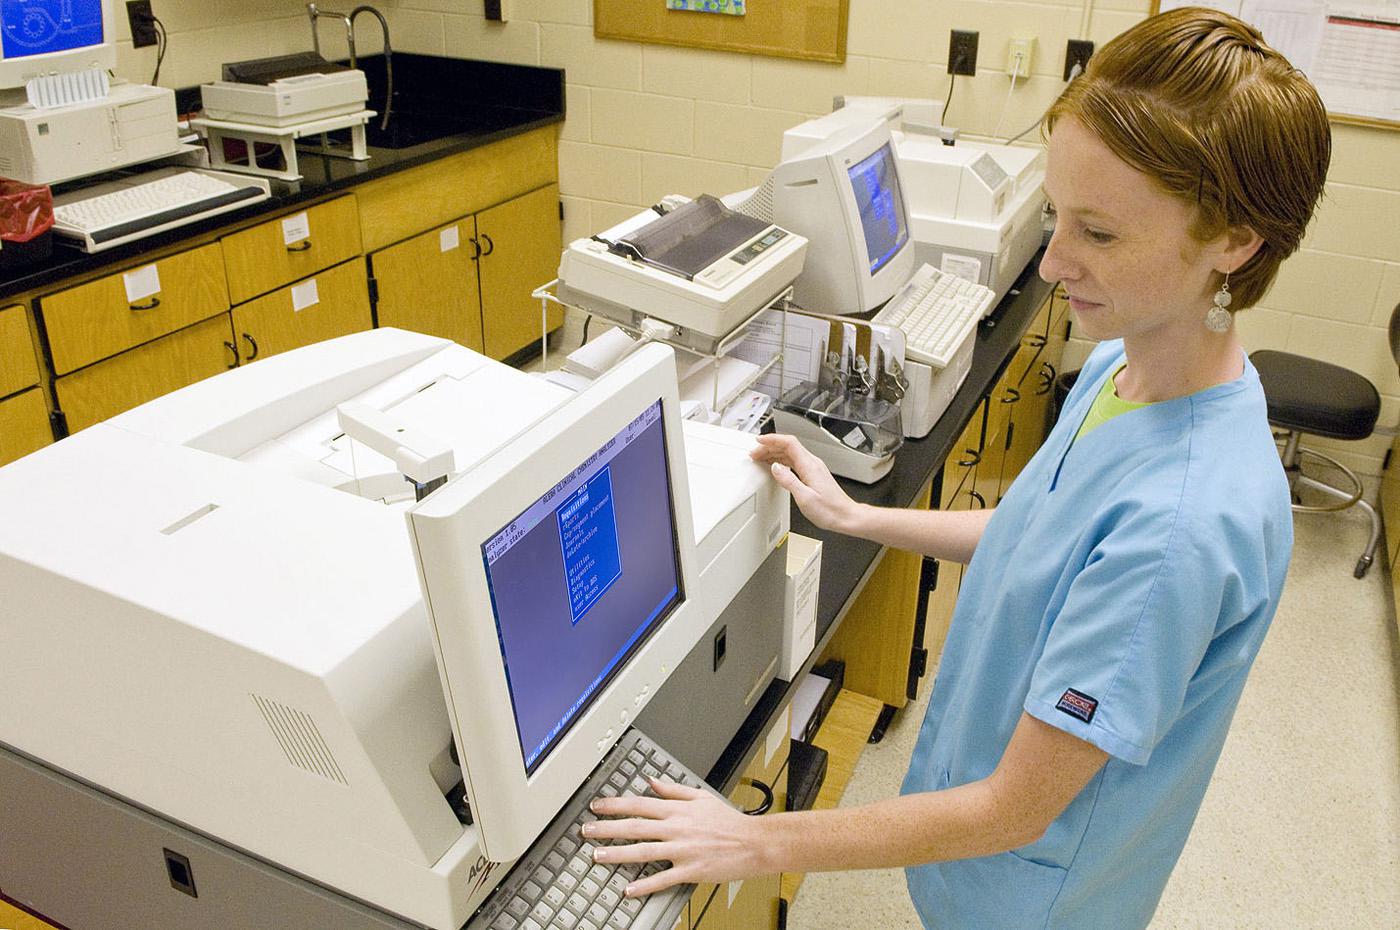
{"points": [[449, 238], [295, 229], [305, 295], [734, 891], [141, 283], [777, 736]]}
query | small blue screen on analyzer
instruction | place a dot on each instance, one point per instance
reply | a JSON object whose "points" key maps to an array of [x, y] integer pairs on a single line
{"points": [[40, 27], [588, 533]]}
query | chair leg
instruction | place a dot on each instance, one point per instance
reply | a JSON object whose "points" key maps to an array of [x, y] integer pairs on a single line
{"points": [[1369, 555]]}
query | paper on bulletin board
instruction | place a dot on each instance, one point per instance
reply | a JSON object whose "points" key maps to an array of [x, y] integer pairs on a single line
{"points": [[727, 7], [1350, 51]]}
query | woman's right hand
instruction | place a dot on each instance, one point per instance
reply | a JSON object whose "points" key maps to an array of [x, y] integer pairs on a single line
{"points": [[809, 481]]}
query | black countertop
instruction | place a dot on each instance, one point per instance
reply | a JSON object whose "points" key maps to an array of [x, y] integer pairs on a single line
{"points": [[442, 106], [847, 560]]}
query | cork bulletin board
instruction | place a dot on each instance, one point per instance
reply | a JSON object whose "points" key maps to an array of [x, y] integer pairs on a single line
{"points": [[814, 30]]}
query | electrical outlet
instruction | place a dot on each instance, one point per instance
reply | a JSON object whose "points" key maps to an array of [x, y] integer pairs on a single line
{"points": [[1019, 55], [962, 52], [1077, 52], [142, 22], [495, 10]]}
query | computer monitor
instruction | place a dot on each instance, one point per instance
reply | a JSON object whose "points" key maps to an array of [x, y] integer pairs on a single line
{"points": [[558, 575], [842, 191], [54, 36]]}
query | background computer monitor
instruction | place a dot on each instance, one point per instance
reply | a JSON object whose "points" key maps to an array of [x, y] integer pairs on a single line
{"points": [[54, 36], [839, 186], [559, 579]]}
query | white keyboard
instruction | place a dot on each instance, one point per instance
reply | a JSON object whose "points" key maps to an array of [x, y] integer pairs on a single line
{"points": [[556, 885], [108, 215], [936, 310]]}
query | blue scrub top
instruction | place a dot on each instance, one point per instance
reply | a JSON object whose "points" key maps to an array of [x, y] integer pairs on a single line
{"points": [[1120, 593]]}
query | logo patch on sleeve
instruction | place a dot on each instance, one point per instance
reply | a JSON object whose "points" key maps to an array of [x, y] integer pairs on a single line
{"points": [[1078, 705]]}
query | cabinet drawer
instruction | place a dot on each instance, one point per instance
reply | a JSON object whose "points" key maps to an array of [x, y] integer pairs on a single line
{"points": [[94, 320], [18, 369], [24, 425], [145, 373], [332, 303], [269, 255]]}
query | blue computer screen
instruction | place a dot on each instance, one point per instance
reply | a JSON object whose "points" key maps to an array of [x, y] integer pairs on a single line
{"points": [[39, 27], [881, 206], [581, 579]]}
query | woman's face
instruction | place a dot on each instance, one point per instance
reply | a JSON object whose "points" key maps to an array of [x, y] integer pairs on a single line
{"points": [[1121, 248]]}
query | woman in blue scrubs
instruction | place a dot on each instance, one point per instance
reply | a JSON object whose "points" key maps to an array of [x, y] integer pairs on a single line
{"points": [[1116, 597]]}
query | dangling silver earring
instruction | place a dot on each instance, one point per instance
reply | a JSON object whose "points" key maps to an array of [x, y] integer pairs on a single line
{"points": [[1217, 317]]}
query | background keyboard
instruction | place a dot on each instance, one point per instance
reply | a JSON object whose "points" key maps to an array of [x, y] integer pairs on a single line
{"points": [[936, 310], [110, 214], [556, 885]]}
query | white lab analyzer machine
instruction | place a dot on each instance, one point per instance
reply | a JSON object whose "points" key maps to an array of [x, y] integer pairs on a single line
{"points": [[222, 703]]}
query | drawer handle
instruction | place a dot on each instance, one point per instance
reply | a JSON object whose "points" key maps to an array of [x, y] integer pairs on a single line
{"points": [[301, 246], [766, 804], [476, 247], [1011, 396], [232, 350], [975, 456], [1035, 342], [490, 246], [252, 343], [155, 302], [979, 499]]}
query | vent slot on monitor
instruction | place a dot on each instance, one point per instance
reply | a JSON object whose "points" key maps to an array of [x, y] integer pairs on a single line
{"points": [[300, 740]]}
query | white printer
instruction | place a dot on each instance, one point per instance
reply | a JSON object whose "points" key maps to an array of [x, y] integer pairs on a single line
{"points": [[215, 645], [698, 271]]}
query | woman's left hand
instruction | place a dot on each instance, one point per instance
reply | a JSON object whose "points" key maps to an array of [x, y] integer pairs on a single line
{"points": [[704, 838]]}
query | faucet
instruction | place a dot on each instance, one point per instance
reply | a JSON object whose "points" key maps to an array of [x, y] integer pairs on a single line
{"points": [[315, 13]]}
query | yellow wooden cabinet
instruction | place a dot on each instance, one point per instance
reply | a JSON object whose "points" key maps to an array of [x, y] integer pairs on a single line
{"points": [[24, 425], [332, 303], [18, 367], [289, 248], [133, 306], [405, 204], [428, 284], [876, 637], [520, 244], [92, 394]]}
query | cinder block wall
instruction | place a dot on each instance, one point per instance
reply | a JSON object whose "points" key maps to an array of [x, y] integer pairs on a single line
{"points": [[645, 121]]}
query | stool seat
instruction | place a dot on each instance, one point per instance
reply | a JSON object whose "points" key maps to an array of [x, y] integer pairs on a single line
{"points": [[1315, 397]]}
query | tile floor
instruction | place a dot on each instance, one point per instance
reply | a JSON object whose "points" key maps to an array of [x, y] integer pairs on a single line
{"points": [[1301, 824]]}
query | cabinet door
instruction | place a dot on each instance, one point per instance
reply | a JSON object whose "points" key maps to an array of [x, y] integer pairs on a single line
{"points": [[520, 246], [24, 425], [289, 248], [876, 638], [18, 369], [428, 284], [95, 320], [333, 303], [104, 390], [959, 483]]}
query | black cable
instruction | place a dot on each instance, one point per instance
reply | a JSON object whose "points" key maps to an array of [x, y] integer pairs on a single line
{"points": [[952, 79], [1072, 75], [586, 320], [160, 46]]}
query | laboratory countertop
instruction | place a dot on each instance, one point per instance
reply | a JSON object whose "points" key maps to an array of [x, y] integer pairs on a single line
{"points": [[846, 561], [442, 106]]}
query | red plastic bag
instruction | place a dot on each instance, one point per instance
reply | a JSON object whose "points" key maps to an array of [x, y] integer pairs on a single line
{"points": [[26, 210]]}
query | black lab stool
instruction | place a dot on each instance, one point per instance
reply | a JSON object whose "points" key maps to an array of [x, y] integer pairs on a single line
{"points": [[1306, 396]]}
